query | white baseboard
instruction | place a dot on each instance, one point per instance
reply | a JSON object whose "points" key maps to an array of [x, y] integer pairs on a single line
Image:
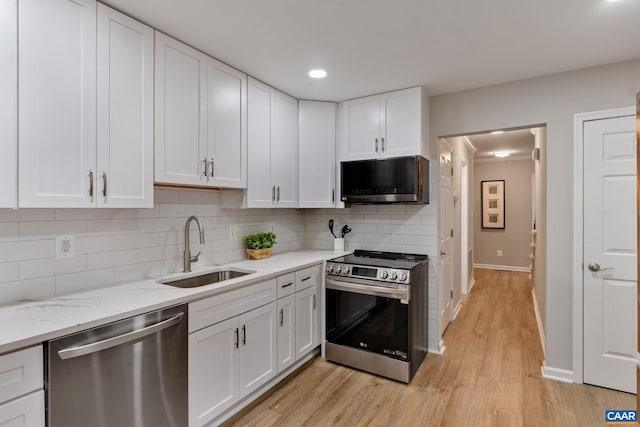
{"points": [[538, 319], [471, 285], [556, 374], [503, 267], [440, 351], [457, 310]]}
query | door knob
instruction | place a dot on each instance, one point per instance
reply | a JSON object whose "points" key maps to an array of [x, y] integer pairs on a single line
{"points": [[443, 253], [595, 267]]}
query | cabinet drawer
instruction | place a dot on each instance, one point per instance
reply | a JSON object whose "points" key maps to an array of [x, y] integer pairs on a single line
{"points": [[21, 372], [28, 411], [286, 284], [308, 277], [215, 309]]}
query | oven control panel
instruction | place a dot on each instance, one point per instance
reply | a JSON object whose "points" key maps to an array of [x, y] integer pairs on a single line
{"points": [[365, 272]]}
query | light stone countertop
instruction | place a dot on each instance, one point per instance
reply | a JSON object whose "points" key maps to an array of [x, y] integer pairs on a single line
{"points": [[26, 323]]}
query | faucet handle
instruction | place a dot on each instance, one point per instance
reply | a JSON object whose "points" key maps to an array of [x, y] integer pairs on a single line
{"points": [[195, 257]]}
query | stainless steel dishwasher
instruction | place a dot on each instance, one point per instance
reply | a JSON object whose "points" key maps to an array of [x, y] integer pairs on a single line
{"points": [[131, 373]]}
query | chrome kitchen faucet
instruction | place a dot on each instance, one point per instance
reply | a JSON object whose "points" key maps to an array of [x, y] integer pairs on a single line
{"points": [[187, 258]]}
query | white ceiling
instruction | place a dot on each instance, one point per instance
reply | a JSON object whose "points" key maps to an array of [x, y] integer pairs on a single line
{"points": [[519, 142], [371, 46]]}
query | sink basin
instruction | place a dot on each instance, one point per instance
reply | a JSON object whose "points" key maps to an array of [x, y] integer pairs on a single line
{"points": [[207, 278]]}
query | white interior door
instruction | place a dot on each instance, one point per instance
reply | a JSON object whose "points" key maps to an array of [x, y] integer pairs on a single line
{"points": [[464, 229], [446, 238], [610, 311]]}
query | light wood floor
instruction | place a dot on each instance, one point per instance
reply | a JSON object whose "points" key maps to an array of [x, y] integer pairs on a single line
{"points": [[488, 376]]}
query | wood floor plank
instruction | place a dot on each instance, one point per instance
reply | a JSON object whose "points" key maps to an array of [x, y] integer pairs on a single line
{"points": [[488, 376]]}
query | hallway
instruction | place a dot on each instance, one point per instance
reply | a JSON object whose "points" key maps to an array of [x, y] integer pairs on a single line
{"points": [[488, 376]]}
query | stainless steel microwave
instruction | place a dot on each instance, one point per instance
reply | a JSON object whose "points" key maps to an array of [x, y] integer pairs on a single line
{"points": [[394, 180]]}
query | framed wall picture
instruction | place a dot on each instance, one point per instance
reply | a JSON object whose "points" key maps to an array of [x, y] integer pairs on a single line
{"points": [[493, 204]]}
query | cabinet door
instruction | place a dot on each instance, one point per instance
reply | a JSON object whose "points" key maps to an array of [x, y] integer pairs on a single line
{"points": [[286, 332], [284, 151], [258, 353], [27, 411], [401, 123], [213, 371], [8, 104], [317, 141], [57, 103], [260, 121], [226, 125], [180, 113], [362, 128], [125, 111], [306, 321]]}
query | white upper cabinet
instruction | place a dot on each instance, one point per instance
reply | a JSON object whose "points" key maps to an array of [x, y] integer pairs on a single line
{"points": [[200, 118], [316, 147], [284, 151], [180, 113], [392, 124], [272, 147], [125, 111], [85, 106], [226, 125], [57, 103], [8, 104]]}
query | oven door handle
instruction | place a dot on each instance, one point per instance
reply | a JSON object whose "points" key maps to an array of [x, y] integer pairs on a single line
{"points": [[401, 294]]}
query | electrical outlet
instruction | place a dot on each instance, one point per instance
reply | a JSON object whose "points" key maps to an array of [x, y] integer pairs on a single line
{"points": [[499, 252], [65, 247], [234, 233]]}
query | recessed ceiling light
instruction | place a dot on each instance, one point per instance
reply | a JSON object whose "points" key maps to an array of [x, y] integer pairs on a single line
{"points": [[317, 74], [502, 153], [497, 132]]}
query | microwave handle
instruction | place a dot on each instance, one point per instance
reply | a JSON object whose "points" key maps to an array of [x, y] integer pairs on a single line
{"points": [[356, 288]]}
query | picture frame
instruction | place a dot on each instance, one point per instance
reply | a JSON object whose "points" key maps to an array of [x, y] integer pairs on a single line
{"points": [[493, 201]]}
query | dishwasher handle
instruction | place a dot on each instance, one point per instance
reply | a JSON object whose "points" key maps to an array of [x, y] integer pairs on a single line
{"points": [[69, 353]]}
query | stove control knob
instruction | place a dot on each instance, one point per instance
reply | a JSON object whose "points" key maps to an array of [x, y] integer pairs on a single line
{"points": [[384, 274], [345, 270], [393, 275], [330, 268], [338, 269], [403, 277]]}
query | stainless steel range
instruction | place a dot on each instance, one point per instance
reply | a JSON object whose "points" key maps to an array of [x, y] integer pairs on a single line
{"points": [[377, 312]]}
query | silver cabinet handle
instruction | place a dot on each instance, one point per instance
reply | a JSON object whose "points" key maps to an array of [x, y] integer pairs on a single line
{"points": [[595, 267], [244, 335], [375, 146], [281, 317], [211, 168], [237, 340], [206, 168], [104, 183], [83, 350], [382, 144], [278, 194], [91, 182], [273, 193], [314, 301]]}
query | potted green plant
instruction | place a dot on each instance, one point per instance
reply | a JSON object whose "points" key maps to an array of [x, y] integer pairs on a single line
{"points": [[259, 245]]}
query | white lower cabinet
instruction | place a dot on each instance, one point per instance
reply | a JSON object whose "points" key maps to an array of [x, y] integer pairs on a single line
{"points": [[241, 340], [229, 360], [27, 411], [21, 383], [286, 332], [306, 321]]}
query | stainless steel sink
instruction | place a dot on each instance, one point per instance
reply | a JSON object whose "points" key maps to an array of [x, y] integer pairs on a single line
{"points": [[207, 278]]}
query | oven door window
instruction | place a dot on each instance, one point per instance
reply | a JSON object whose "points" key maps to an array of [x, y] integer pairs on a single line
{"points": [[371, 323]]}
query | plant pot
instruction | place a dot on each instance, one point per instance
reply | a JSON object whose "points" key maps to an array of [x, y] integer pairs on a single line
{"points": [[259, 253]]}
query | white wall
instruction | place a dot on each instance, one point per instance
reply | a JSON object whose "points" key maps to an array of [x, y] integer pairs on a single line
{"points": [[121, 245], [552, 100]]}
